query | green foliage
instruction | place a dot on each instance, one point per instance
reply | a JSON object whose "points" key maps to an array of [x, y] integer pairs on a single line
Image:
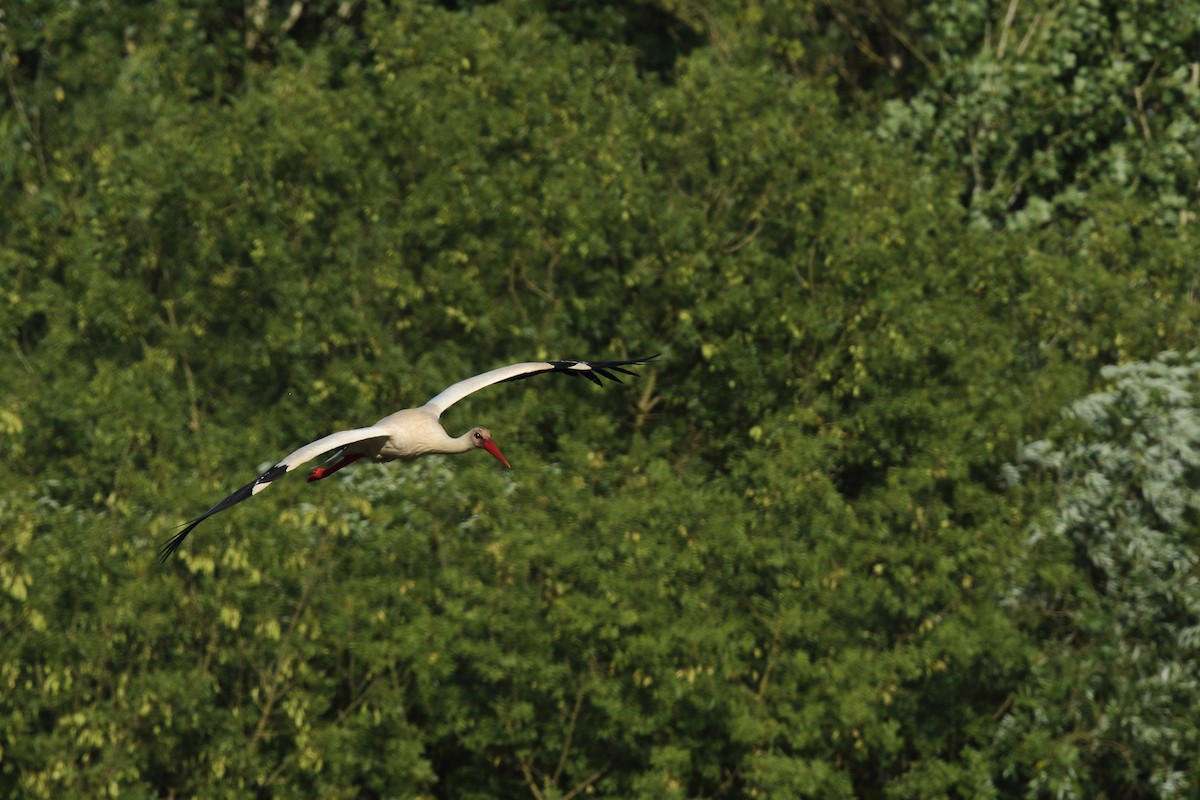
{"points": [[777, 564], [1039, 105]]}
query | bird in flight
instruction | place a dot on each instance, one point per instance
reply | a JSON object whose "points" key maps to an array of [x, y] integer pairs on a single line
{"points": [[407, 434]]}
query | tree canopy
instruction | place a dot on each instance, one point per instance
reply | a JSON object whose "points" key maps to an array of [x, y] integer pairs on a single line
{"points": [[905, 510]]}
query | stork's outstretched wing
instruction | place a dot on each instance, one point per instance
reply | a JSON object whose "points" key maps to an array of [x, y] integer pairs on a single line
{"points": [[328, 444], [592, 370]]}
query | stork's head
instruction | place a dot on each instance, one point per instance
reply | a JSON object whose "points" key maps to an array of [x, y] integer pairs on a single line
{"points": [[482, 437]]}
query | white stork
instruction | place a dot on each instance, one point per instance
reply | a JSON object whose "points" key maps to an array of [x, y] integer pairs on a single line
{"points": [[407, 434]]}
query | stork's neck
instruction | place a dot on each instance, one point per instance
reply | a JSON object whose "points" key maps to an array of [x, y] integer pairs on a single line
{"points": [[459, 444]]}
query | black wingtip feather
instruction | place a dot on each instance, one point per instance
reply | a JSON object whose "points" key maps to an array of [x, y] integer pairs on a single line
{"points": [[606, 373], [602, 369], [247, 491], [595, 371], [171, 545]]}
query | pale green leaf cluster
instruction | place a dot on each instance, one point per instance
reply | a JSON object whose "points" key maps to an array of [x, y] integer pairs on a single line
{"points": [[1125, 463]]}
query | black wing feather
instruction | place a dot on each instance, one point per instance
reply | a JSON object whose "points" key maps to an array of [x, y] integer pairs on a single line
{"points": [[606, 374], [595, 370], [244, 493]]}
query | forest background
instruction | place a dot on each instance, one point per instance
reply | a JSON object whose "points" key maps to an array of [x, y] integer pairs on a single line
{"points": [[906, 508]]}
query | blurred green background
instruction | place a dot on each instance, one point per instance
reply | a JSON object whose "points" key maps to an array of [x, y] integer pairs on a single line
{"points": [[906, 509]]}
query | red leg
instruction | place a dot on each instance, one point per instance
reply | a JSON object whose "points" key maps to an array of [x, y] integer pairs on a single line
{"points": [[324, 472]]}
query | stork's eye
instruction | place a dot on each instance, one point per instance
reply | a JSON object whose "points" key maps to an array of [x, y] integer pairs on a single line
{"points": [[478, 435]]}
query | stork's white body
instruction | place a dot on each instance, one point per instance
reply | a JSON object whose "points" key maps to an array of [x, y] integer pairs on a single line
{"points": [[416, 432], [407, 434]]}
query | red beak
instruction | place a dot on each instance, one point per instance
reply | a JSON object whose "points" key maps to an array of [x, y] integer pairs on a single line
{"points": [[490, 446]]}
